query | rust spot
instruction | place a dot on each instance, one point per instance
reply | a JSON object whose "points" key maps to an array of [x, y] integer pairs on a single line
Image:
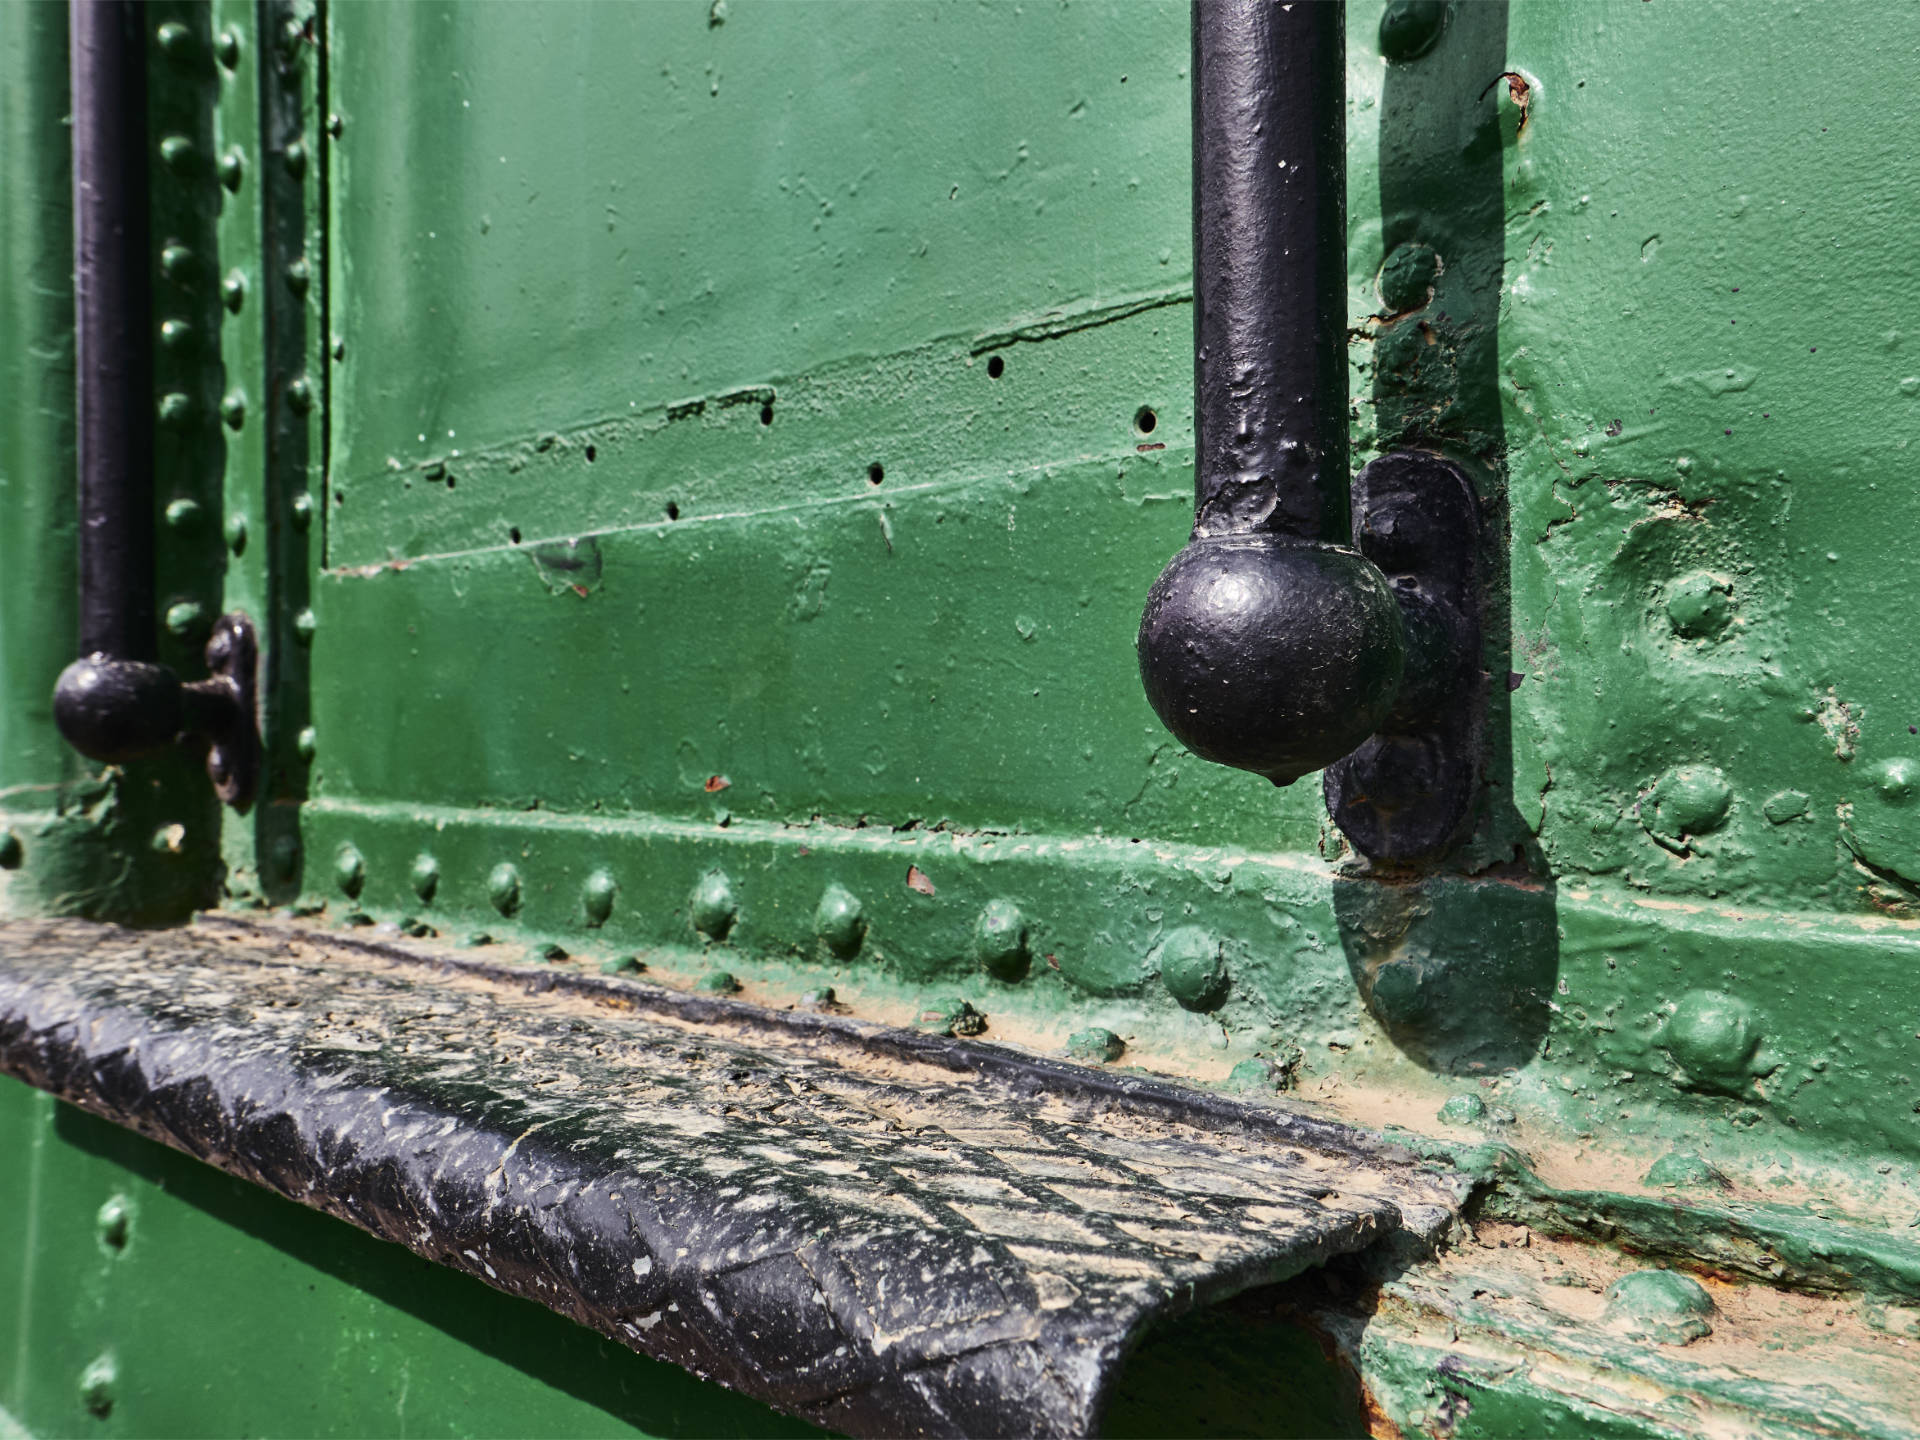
{"points": [[717, 783], [1053, 962], [1157, 445], [917, 880]]}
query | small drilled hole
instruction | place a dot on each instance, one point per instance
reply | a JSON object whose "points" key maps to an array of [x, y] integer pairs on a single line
{"points": [[673, 511], [514, 534], [449, 482], [996, 367], [1144, 420], [592, 454], [875, 474], [766, 413]]}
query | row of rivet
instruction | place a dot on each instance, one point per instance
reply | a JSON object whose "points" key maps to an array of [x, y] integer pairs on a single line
{"points": [[1191, 961]]}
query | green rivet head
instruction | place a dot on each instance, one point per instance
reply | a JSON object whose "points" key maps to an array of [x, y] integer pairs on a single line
{"points": [[1687, 801], [237, 532], [176, 152], [183, 515], [425, 876], [1000, 940], [1407, 277], [233, 291], [169, 839], [112, 1223], [819, 998], [177, 262], [336, 126], [174, 408], [550, 953], [1660, 1306], [303, 627], [284, 855], [1408, 28], [1680, 1170], [299, 275], [306, 743], [227, 48], [302, 509], [840, 922], [473, 941], [295, 159], [597, 895], [13, 854], [350, 870], [233, 408], [503, 888], [1714, 1038], [1253, 1076], [1096, 1046], [97, 1383], [949, 1015], [718, 982], [1192, 968], [233, 167], [1465, 1108], [1896, 781], [186, 619], [175, 333], [1700, 606], [713, 908], [176, 41], [300, 394], [622, 965]]}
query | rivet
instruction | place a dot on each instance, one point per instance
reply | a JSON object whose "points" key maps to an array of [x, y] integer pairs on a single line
{"points": [[1096, 1045], [303, 627], [233, 291], [949, 1016], [111, 1223], [1409, 28], [177, 262], [1252, 1076], [174, 38], [339, 350], [713, 907], [622, 965], [549, 952], [596, 896], [1700, 606], [425, 876], [299, 275], [183, 514], [1688, 800], [186, 618], [295, 159], [1896, 780], [237, 532], [350, 870], [300, 394], [97, 1385], [840, 922], [336, 126], [227, 48], [233, 408], [1466, 1108], [1658, 1305], [176, 152], [503, 888], [1714, 1038], [1000, 940], [1192, 969], [174, 408], [292, 33], [175, 333], [285, 855], [1785, 805], [306, 743], [719, 982], [169, 839], [302, 507], [819, 998], [233, 167], [12, 853]]}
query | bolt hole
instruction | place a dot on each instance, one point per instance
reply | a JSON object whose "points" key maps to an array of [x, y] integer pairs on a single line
{"points": [[996, 367], [875, 474], [766, 413], [673, 510], [592, 454], [449, 482], [514, 534], [1144, 420]]}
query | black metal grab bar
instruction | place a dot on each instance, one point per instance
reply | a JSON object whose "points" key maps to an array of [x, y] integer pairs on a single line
{"points": [[117, 703], [1268, 643]]}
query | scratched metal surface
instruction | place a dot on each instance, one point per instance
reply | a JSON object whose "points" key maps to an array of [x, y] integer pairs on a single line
{"points": [[882, 1233]]}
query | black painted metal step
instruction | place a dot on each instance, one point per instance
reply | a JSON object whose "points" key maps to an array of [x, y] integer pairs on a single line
{"points": [[881, 1231]]}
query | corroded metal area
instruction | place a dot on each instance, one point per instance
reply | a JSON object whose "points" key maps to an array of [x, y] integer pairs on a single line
{"points": [[883, 1233]]}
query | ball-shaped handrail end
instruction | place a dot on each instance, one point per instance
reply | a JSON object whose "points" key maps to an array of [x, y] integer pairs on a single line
{"points": [[1269, 653], [117, 710]]}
